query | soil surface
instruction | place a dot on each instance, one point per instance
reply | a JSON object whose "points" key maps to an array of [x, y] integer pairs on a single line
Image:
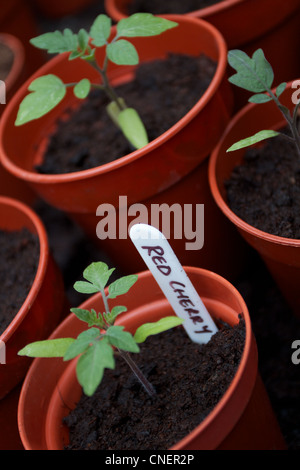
{"points": [[162, 92], [19, 254], [158, 7], [265, 190], [6, 60], [122, 416]]}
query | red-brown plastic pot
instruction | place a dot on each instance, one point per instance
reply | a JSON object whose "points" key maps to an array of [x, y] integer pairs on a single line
{"points": [[9, 432], [43, 308], [17, 19], [141, 174], [59, 8], [281, 255], [10, 185], [243, 419], [15, 76], [272, 25]]}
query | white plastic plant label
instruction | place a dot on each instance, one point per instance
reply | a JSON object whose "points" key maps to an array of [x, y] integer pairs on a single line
{"points": [[161, 260]]}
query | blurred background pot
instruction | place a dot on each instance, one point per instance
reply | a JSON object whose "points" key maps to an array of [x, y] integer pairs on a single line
{"points": [[40, 313], [10, 185], [281, 255], [272, 25], [43, 308], [58, 8], [17, 18]]}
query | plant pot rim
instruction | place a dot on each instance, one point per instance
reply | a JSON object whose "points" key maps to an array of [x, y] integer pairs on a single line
{"points": [[16, 46], [233, 389], [218, 197], [204, 12], [135, 155], [41, 269]]}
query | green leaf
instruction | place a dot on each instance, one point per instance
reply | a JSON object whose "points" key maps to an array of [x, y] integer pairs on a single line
{"points": [[47, 348], [98, 274], [133, 128], [46, 93], [114, 110], [260, 98], [87, 316], [247, 76], [143, 24], [83, 39], [121, 286], [121, 339], [263, 68], [122, 52], [100, 30], [91, 365], [56, 42], [82, 88], [90, 55], [75, 55], [280, 89], [83, 341], [163, 324], [115, 311], [258, 137], [85, 287]]}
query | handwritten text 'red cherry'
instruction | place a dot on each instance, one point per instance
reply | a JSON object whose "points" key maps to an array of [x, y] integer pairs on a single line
{"points": [[156, 253]]}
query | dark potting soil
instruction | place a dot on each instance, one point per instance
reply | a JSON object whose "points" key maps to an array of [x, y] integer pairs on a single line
{"points": [[162, 92], [264, 191], [6, 60], [19, 254], [189, 379], [158, 7]]}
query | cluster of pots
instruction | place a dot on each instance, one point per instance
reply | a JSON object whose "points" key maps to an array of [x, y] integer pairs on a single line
{"points": [[190, 168]]}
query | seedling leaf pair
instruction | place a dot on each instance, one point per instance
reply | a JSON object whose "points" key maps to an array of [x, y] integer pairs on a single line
{"points": [[256, 75], [47, 92], [95, 346]]}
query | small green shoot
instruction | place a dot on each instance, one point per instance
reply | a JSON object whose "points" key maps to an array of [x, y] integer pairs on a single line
{"points": [[96, 345], [48, 91], [256, 75]]}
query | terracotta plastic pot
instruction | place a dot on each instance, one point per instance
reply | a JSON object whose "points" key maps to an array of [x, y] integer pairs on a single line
{"points": [[144, 173], [281, 255], [17, 19], [239, 21], [58, 8], [272, 25], [44, 306], [16, 74], [9, 432], [10, 185], [243, 419]]}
